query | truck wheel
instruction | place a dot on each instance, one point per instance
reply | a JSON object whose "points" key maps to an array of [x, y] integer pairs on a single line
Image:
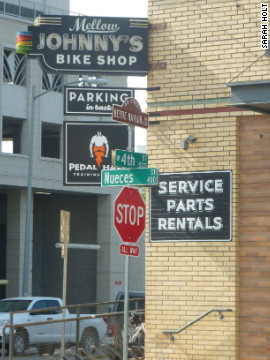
{"points": [[19, 343], [89, 338], [45, 349]]}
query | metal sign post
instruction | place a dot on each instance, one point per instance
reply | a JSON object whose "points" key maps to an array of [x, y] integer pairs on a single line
{"points": [[130, 227], [64, 238], [126, 299], [126, 302], [129, 113]]}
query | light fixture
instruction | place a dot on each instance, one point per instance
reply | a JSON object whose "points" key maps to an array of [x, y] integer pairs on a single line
{"points": [[189, 139], [91, 81]]}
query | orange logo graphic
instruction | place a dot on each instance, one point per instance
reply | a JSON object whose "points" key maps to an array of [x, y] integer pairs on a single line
{"points": [[99, 147]]}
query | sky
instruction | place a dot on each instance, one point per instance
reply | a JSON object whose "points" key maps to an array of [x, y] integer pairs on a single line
{"points": [[115, 8], [118, 8]]}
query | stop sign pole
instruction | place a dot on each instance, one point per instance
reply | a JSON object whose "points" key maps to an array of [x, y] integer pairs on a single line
{"points": [[129, 221], [131, 114], [126, 300]]}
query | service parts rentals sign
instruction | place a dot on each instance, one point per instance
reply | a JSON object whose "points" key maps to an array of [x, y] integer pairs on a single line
{"points": [[192, 206], [93, 101], [88, 150], [83, 44]]}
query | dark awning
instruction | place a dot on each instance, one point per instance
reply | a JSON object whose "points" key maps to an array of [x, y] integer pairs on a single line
{"points": [[251, 95]]}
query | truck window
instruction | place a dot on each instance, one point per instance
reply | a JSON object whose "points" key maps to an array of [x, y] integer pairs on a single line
{"points": [[54, 303], [14, 305], [136, 304], [133, 304], [40, 304]]}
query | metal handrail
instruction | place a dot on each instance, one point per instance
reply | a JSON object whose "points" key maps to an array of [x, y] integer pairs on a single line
{"points": [[220, 311], [79, 317]]}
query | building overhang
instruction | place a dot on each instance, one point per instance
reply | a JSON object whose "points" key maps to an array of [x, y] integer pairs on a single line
{"points": [[252, 95]]}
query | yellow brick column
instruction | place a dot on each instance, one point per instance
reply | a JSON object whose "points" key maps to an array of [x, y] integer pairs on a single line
{"points": [[186, 279]]}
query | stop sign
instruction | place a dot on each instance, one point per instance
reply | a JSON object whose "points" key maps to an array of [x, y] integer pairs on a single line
{"points": [[129, 215]]}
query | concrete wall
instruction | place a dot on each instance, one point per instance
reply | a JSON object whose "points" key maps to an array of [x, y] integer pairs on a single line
{"points": [[16, 201], [15, 103], [47, 262]]}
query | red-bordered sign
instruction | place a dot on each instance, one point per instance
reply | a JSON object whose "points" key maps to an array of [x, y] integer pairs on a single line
{"points": [[129, 215], [130, 113], [129, 250]]}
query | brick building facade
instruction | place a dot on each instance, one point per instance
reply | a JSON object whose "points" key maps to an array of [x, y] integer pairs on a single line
{"points": [[195, 48]]}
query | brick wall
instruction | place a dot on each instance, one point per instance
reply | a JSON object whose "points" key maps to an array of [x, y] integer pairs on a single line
{"points": [[255, 237], [205, 45], [184, 280]]}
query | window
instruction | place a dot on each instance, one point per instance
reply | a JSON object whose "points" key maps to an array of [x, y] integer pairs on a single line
{"points": [[46, 304], [41, 304], [11, 137], [54, 304], [14, 68], [50, 141], [14, 305], [133, 305]]}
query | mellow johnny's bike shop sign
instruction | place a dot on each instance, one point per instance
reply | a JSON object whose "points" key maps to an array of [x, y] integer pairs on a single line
{"points": [[194, 206], [82, 44]]}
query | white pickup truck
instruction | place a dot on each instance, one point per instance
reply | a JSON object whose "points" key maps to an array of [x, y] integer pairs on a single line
{"points": [[46, 337]]}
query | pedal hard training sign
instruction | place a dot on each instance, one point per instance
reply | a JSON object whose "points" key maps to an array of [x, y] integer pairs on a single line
{"points": [[192, 206], [83, 44], [88, 150]]}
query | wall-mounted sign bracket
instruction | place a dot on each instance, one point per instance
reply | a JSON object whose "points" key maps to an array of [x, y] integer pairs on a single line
{"points": [[157, 66], [158, 26]]}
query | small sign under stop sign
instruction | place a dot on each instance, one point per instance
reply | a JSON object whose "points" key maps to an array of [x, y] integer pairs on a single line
{"points": [[129, 215]]}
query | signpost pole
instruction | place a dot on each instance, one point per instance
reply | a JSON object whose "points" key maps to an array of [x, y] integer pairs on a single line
{"points": [[126, 300], [64, 238], [125, 343]]}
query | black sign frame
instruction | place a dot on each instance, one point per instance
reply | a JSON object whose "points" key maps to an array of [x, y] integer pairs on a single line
{"points": [[91, 45], [191, 206], [93, 101], [88, 150]]}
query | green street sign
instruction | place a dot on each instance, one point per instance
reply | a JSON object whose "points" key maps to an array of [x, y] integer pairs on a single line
{"points": [[123, 177], [128, 159]]}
